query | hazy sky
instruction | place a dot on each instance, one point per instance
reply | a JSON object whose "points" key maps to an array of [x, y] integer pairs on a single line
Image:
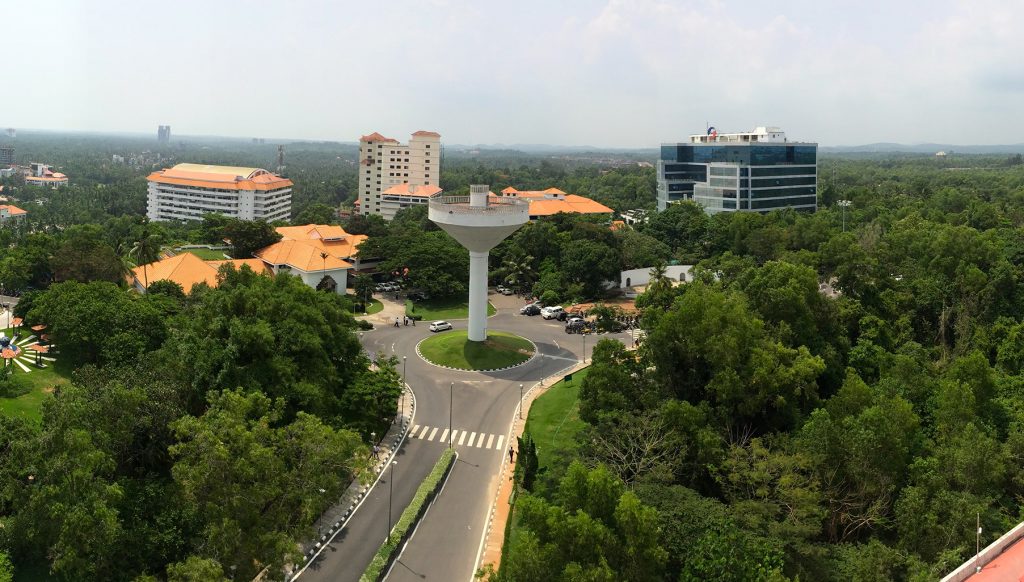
{"points": [[629, 73]]}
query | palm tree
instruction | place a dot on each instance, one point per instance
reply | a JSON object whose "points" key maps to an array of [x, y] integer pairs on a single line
{"points": [[146, 250], [519, 272]]}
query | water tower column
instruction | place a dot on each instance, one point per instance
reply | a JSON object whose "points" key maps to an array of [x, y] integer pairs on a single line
{"points": [[478, 295]]}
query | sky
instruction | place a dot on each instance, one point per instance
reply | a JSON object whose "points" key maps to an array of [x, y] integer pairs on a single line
{"points": [[605, 73]]}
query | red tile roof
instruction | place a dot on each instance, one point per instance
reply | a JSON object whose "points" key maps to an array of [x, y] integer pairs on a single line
{"points": [[412, 190], [422, 133], [13, 210], [377, 137]]}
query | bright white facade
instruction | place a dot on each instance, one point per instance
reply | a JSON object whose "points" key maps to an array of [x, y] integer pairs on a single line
{"points": [[385, 162], [479, 222], [190, 191], [404, 196]]}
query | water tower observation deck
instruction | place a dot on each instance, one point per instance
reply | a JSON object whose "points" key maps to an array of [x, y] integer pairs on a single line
{"points": [[479, 222]]}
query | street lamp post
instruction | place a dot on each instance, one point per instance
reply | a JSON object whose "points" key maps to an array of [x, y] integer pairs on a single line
{"points": [[584, 334], [404, 358], [391, 493], [451, 398], [520, 402]]}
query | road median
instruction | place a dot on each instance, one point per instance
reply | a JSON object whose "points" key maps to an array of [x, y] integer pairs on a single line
{"points": [[406, 524]]}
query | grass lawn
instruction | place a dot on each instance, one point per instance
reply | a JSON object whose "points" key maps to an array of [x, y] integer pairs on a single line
{"points": [[453, 349], [207, 254], [374, 306], [40, 381], [554, 421], [450, 308]]}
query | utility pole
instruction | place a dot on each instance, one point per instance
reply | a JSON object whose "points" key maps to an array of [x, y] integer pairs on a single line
{"points": [[402, 412], [520, 402], [844, 204], [451, 397], [391, 494]]}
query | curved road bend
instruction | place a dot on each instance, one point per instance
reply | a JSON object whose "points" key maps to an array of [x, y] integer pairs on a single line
{"points": [[445, 546]]}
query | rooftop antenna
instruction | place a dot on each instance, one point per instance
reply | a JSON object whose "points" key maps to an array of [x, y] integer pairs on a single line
{"points": [[280, 160]]}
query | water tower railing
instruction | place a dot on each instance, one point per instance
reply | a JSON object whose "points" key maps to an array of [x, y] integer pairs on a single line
{"points": [[495, 205]]}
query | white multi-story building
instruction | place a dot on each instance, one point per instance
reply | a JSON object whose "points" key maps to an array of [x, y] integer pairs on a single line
{"points": [[190, 191], [384, 162]]}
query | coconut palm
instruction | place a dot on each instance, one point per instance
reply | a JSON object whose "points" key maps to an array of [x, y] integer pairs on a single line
{"points": [[519, 272], [146, 250]]}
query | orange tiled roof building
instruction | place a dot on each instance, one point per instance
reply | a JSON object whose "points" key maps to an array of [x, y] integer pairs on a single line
{"points": [[384, 163], [319, 254], [552, 201], [8, 212], [189, 191]]}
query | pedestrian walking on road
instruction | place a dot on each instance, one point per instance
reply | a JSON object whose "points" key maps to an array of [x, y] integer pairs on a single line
{"points": [[510, 454], [413, 319], [405, 320], [376, 452], [396, 321]]}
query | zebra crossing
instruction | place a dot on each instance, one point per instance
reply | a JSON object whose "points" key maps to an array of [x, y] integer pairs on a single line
{"points": [[458, 437]]}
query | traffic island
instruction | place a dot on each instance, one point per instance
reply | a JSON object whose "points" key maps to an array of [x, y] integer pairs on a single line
{"points": [[501, 350]]}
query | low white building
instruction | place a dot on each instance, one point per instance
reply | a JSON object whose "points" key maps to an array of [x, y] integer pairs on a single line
{"points": [[641, 277], [190, 191], [404, 196]]}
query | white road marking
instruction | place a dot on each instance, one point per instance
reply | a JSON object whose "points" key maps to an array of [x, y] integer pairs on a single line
{"points": [[444, 436], [432, 433], [462, 437], [501, 439], [424, 431], [414, 429], [490, 440], [480, 440], [471, 437]]}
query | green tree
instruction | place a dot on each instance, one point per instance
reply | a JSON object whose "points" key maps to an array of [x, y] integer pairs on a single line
{"points": [[248, 236], [256, 481], [145, 250], [83, 256]]}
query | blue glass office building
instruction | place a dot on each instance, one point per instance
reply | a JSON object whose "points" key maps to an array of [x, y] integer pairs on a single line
{"points": [[756, 171]]}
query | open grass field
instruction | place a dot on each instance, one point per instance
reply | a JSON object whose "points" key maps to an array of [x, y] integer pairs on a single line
{"points": [[451, 308], [554, 421], [453, 349]]}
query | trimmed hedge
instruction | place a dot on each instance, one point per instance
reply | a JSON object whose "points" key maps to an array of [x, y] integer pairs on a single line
{"points": [[412, 514]]}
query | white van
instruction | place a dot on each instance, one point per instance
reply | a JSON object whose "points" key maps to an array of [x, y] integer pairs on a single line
{"points": [[551, 312]]}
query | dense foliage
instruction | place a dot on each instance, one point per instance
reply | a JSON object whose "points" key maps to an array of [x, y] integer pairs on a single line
{"points": [[823, 403]]}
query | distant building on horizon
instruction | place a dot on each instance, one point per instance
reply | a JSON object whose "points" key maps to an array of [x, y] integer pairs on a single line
{"points": [[385, 162], [163, 133], [755, 171], [43, 175], [190, 191], [6, 155]]}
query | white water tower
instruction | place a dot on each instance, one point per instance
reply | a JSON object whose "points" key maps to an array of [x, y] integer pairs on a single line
{"points": [[479, 222]]}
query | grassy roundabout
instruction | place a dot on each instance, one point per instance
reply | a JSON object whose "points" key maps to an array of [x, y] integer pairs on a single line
{"points": [[453, 349]]}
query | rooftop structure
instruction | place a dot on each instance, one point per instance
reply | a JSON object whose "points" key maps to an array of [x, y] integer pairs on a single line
{"points": [[552, 201], [754, 171], [384, 162], [8, 212], [189, 191], [43, 175], [479, 222], [404, 196]]}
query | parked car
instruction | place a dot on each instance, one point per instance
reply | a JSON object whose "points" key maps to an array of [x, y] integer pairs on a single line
{"points": [[524, 308], [551, 312], [507, 291], [530, 309], [418, 296], [577, 325], [440, 326], [500, 289]]}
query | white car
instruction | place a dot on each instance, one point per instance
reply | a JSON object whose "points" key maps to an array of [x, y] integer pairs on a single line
{"points": [[440, 326], [551, 312]]}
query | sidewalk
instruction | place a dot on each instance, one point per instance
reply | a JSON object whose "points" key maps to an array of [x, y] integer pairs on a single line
{"points": [[392, 308], [333, 519], [494, 539]]}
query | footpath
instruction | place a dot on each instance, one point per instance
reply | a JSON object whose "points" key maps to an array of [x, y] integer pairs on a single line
{"points": [[501, 507]]}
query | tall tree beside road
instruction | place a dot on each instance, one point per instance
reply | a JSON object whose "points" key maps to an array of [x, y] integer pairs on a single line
{"points": [[255, 480]]}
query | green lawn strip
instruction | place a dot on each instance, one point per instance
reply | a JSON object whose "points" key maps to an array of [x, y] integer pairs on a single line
{"points": [[374, 307], [554, 420], [450, 308], [207, 254], [453, 349], [406, 523]]}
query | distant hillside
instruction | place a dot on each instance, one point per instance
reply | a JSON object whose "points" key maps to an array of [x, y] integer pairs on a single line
{"points": [[925, 148]]}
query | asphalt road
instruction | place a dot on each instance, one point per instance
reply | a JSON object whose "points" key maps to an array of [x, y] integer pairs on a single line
{"points": [[481, 404]]}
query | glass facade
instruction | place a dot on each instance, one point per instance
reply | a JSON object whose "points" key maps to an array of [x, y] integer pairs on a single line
{"points": [[752, 176]]}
